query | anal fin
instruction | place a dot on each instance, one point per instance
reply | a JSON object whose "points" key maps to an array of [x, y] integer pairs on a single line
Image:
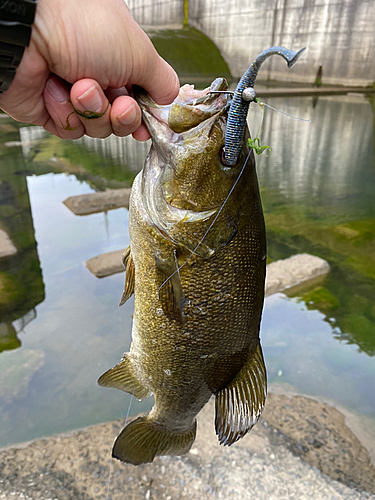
{"points": [[142, 440], [239, 405], [128, 263], [122, 377]]}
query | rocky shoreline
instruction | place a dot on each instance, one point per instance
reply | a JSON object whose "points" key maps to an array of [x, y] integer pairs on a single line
{"points": [[301, 448]]}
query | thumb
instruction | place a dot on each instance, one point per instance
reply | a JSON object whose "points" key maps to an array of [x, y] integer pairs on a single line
{"points": [[159, 79]]}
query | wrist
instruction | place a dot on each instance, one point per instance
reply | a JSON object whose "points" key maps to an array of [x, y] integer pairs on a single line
{"points": [[16, 18]]}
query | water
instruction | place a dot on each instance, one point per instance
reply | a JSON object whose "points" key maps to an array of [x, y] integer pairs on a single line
{"points": [[61, 328]]}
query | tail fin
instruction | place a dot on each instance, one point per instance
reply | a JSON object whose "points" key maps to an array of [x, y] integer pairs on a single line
{"points": [[142, 440]]}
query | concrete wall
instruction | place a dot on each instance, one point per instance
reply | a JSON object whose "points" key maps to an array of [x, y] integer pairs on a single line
{"points": [[339, 34], [157, 12]]}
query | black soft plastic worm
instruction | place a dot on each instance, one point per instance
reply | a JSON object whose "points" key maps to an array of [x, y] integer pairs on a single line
{"points": [[241, 101]]}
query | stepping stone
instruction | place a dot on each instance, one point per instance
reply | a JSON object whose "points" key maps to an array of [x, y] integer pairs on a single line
{"points": [[106, 264], [92, 203], [298, 269]]}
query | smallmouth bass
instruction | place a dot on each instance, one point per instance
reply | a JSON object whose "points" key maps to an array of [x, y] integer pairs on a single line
{"points": [[196, 265], [201, 336]]}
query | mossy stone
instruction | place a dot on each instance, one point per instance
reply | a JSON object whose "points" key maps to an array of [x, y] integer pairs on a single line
{"points": [[190, 52], [321, 298]]}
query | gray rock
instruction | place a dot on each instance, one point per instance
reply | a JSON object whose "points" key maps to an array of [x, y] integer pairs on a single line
{"points": [[281, 275], [98, 202], [78, 465], [288, 273], [106, 264]]}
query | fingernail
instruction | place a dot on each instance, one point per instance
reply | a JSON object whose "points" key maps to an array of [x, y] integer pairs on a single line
{"points": [[91, 100], [128, 117], [57, 90]]}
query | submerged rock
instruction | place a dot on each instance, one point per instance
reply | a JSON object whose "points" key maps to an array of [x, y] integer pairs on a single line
{"points": [[17, 369], [8, 337]]}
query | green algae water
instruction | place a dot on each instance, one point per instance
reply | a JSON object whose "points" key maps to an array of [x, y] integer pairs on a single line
{"points": [[61, 328]]}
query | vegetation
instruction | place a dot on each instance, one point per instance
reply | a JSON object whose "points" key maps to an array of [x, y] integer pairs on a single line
{"points": [[190, 53]]}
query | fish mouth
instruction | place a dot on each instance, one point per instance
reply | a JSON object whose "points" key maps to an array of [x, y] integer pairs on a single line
{"points": [[186, 113]]}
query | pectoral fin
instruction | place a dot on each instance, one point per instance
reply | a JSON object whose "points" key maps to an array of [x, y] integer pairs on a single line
{"points": [[129, 276], [239, 405], [122, 377], [142, 440], [170, 293]]}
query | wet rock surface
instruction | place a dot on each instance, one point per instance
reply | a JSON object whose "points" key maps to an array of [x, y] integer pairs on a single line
{"points": [[86, 204], [106, 264], [292, 272], [321, 439], [266, 464]]}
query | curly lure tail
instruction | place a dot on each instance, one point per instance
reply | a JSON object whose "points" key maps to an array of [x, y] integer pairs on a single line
{"points": [[242, 97]]}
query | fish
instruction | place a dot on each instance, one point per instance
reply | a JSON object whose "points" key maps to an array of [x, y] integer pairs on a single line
{"points": [[196, 266]]}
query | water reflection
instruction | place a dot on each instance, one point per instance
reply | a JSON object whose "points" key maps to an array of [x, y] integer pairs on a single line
{"points": [[125, 151], [21, 283], [318, 197], [330, 156], [49, 385], [104, 163]]}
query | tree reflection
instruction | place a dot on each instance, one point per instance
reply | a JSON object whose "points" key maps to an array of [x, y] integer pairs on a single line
{"points": [[21, 283]]}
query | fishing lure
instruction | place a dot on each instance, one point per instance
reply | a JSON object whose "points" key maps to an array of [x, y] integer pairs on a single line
{"points": [[243, 96]]}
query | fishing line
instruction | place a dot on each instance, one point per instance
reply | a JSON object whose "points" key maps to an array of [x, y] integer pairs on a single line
{"points": [[261, 103], [127, 415], [177, 271], [111, 459], [221, 208], [283, 112], [217, 215]]}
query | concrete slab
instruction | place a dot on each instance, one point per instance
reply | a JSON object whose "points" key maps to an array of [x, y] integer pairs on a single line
{"points": [[301, 269], [86, 204], [106, 264], [289, 273], [6, 246]]}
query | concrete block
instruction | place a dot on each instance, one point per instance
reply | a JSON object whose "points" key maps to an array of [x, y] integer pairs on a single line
{"points": [[299, 450], [288, 273], [98, 202], [281, 275], [106, 264]]}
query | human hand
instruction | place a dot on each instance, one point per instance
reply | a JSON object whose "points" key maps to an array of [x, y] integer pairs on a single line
{"points": [[94, 46]]}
